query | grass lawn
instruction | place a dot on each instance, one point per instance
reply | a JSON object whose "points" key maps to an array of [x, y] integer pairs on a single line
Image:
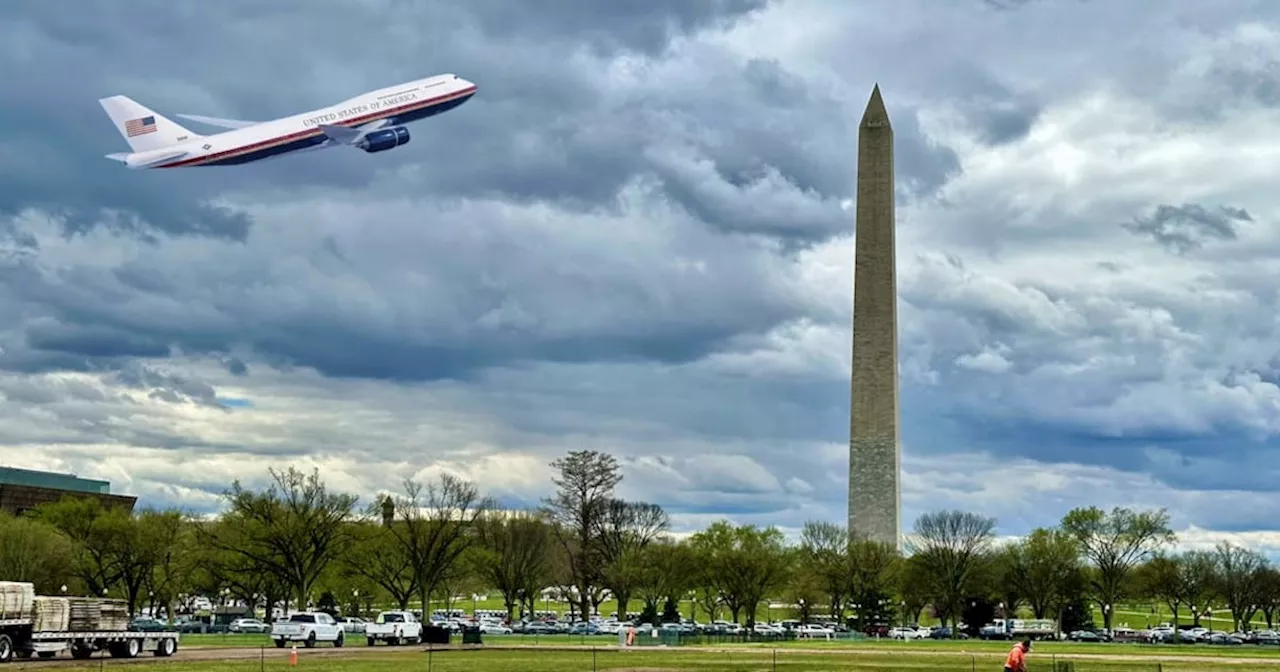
{"points": [[889, 648], [651, 660]]}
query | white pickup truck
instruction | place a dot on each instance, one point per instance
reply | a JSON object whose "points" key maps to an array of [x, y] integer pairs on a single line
{"points": [[307, 627], [394, 627]]}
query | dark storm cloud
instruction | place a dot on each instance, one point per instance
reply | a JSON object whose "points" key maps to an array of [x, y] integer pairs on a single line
{"points": [[1186, 227]]}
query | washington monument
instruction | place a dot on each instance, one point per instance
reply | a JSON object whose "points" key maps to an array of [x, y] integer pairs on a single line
{"points": [[875, 458]]}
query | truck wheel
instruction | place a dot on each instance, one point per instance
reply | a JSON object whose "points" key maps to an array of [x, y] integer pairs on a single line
{"points": [[337, 643], [165, 648], [279, 643], [81, 652], [393, 641], [311, 640], [369, 641], [6, 649]]}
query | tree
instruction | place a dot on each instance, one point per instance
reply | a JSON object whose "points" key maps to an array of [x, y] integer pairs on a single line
{"points": [[665, 575], [1040, 566], [1164, 578], [743, 563], [1239, 574], [584, 487], [294, 528], [377, 556], [1115, 542], [1269, 594], [870, 571], [514, 557], [952, 545], [1199, 574], [435, 526], [87, 525], [626, 530], [32, 551], [172, 569], [824, 552]]}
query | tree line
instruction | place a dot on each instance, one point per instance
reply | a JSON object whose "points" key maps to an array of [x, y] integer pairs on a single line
{"points": [[297, 543]]}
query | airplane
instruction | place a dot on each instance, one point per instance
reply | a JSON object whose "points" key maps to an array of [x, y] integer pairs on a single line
{"points": [[372, 122]]}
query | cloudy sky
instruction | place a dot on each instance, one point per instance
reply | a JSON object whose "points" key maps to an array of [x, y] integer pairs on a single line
{"points": [[638, 238]]}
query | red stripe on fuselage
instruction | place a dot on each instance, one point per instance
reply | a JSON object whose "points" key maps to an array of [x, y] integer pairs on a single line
{"points": [[354, 121]]}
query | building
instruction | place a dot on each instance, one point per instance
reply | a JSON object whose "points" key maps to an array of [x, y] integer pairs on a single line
{"points": [[25, 489]]}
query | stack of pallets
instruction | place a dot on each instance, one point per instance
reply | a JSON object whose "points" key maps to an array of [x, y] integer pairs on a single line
{"points": [[52, 614], [86, 614], [16, 599], [114, 615]]}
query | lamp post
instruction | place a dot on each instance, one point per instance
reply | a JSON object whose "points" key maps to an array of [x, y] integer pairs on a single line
{"points": [[804, 617], [1106, 617], [903, 612]]}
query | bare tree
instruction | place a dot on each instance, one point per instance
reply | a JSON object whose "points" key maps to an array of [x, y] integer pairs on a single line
{"points": [[824, 549], [585, 486], [1115, 542], [1269, 594], [951, 546], [626, 530], [1240, 576], [435, 525]]}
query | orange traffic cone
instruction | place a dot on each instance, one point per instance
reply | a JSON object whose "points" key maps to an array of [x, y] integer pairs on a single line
{"points": [[293, 655]]}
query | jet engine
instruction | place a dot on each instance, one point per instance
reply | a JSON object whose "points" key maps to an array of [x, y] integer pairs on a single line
{"points": [[383, 139]]}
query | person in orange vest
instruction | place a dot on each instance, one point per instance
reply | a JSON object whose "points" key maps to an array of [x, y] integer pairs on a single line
{"points": [[1017, 660]]}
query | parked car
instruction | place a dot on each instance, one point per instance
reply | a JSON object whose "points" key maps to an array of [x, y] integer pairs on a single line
{"points": [[147, 624], [352, 624], [309, 628], [393, 627], [247, 625]]}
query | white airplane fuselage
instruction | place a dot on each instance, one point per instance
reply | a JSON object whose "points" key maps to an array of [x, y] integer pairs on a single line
{"points": [[372, 121]]}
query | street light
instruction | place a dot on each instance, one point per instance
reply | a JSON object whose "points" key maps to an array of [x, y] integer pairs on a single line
{"points": [[804, 618]]}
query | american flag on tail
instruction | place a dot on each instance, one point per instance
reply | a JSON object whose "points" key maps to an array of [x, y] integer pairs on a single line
{"points": [[140, 126]]}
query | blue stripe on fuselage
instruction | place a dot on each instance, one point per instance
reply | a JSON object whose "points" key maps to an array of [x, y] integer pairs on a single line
{"points": [[312, 141]]}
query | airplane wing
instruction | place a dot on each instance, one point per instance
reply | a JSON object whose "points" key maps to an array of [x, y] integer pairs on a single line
{"points": [[215, 121], [342, 134]]}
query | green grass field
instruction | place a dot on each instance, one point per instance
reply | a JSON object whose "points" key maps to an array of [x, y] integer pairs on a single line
{"points": [[651, 660], [888, 647]]}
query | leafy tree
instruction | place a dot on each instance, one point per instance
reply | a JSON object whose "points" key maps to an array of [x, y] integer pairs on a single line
{"points": [[376, 555], [952, 545], [584, 486], [32, 551], [1041, 566], [294, 528], [515, 558], [435, 525], [668, 567], [743, 563], [1115, 543], [90, 528]]}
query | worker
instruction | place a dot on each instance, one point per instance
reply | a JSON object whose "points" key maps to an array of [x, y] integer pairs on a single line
{"points": [[1017, 660]]}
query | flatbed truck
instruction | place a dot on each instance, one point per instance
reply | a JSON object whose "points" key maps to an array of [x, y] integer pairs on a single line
{"points": [[18, 639]]}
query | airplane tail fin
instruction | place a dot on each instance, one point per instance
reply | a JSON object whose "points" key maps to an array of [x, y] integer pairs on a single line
{"points": [[142, 128]]}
